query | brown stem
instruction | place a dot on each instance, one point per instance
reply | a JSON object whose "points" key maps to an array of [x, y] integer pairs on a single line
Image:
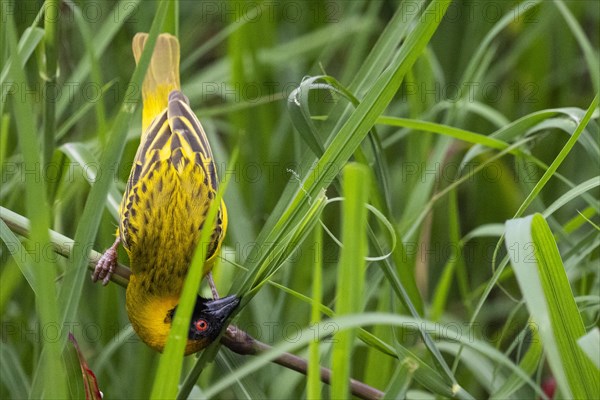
{"points": [[241, 342]]}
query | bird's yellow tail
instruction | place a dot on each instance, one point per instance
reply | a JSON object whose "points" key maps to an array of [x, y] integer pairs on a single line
{"points": [[162, 75]]}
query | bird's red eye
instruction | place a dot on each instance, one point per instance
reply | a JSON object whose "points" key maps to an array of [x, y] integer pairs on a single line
{"points": [[201, 325]]}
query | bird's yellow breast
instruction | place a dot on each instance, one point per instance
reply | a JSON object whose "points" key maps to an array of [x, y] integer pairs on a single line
{"points": [[166, 214], [150, 316], [148, 313]]}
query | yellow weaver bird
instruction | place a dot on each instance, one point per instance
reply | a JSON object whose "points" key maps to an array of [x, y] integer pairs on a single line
{"points": [[172, 183]]}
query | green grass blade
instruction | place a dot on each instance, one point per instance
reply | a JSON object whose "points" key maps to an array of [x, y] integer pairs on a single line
{"points": [[193, 57], [529, 363], [64, 128], [51, 40], [549, 173], [573, 194], [590, 55], [383, 50], [450, 131], [171, 24], [11, 279], [401, 381], [27, 44], [549, 298], [469, 73], [379, 366], [105, 35], [440, 298], [590, 345], [81, 157], [11, 373], [567, 323], [125, 334], [313, 379], [51, 370], [19, 254], [95, 70], [351, 271], [521, 127]]}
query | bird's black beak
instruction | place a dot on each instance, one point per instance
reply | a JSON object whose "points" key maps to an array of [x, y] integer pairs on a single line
{"points": [[222, 308]]}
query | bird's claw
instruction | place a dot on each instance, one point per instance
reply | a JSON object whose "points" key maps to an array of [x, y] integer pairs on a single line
{"points": [[106, 265], [213, 287]]}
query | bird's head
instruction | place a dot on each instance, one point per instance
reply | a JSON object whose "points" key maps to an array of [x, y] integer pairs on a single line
{"points": [[152, 321], [207, 321]]}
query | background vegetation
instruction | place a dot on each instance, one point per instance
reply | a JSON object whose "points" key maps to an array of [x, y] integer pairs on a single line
{"points": [[457, 118]]}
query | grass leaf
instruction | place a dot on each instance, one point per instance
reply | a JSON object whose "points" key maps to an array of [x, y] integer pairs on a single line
{"points": [[351, 271], [549, 298]]}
